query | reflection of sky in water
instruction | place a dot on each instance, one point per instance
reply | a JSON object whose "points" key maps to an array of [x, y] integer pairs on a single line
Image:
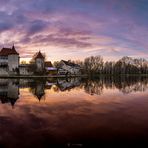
{"points": [[74, 115]]}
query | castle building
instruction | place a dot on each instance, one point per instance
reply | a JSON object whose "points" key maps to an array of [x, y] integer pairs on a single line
{"points": [[9, 61], [50, 70], [40, 62], [9, 65], [38, 65]]}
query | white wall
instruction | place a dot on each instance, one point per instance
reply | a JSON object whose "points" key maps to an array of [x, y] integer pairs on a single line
{"points": [[40, 64], [3, 71], [3, 61], [13, 62], [70, 69], [24, 71]]}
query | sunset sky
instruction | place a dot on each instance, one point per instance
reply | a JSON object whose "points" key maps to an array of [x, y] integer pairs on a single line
{"points": [[75, 29]]}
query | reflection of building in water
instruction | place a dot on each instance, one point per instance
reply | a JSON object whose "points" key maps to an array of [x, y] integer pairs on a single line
{"points": [[38, 89], [9, 91], [25, 83], [67, 84], [9, 88], [50, 83]]}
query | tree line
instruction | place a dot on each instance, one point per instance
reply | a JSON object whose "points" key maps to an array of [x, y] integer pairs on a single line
{"points": [[96, 65]]}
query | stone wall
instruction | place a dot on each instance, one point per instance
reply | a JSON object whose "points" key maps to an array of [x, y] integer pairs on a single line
{"points": [[24, 70], [13, 62], [40, 65], [4, 71]]}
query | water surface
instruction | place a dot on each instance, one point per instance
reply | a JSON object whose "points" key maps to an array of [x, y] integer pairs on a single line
{"points": [[73, 112]]}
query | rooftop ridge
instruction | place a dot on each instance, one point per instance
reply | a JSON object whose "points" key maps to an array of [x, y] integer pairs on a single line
{"points": [[8, 51], [39, 55]]}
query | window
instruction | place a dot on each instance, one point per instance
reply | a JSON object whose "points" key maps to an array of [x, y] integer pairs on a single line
{"points": [[4, 57]]}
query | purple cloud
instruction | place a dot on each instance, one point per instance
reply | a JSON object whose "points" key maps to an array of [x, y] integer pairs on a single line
{"points": [[86, 26]]}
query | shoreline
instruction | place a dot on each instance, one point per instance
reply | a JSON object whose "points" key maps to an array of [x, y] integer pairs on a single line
{"points": [[72, 76], [45, 76]]}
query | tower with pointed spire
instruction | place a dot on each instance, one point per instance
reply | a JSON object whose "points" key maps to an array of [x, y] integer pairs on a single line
{"points": [[40, 62], [13, 60]]}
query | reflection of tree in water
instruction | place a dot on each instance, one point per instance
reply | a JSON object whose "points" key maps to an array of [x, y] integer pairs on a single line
{"points": [[9, 88], [126, 84], [132, 84], [94, 86]]}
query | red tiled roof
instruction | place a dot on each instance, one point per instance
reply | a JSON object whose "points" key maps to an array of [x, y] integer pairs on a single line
{"points": [[8, 51], [48, 64], [39, 55]]}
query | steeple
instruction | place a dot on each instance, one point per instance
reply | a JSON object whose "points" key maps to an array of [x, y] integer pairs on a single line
{"points": [[8, 51], [39, 55], [13, 48]]}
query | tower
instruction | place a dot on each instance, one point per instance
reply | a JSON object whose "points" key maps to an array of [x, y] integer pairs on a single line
{"points": [[39, 61], [9, 61], [13, 60]]}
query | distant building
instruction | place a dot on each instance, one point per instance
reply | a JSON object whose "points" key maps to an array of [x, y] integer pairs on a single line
{"points": [[38, 65], [50, 70], [25, 69], [9, 65], [67, 67], [9, 61]]}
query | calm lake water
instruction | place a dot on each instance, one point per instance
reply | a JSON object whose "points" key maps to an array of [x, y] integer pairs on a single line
{"points": [[73, 112]]}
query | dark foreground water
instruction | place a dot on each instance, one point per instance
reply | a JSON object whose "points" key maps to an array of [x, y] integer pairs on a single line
{"points": [[74, 112]]}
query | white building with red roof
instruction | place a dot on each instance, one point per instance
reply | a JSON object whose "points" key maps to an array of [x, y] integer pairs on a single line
{"points": [[9, 61], [10, 65]]}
